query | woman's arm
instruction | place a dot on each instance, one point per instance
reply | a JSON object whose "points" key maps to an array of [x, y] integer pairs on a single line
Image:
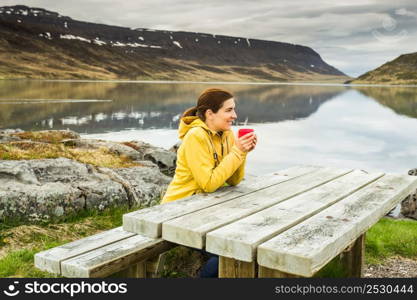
{"points": [[238, 175], [200, 160]]}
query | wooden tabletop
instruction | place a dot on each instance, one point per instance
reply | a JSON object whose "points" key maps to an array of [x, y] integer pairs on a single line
{"points": [[294, 220]]}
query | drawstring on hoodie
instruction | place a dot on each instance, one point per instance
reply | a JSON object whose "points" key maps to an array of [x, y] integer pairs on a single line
{"points": [[216, 157]]}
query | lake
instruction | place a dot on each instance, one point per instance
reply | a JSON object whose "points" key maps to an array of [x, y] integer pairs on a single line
{"points": [[371, 128]]}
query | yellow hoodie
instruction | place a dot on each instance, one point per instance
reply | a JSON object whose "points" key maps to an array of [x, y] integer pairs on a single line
{"points": [[197, 169]]}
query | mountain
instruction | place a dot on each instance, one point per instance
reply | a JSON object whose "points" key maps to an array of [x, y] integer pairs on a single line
{"points": [[37, 43], [402, 70]]}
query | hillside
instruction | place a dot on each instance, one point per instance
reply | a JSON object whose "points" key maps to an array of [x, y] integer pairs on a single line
{"points": [[402, 70], [40, 44]]}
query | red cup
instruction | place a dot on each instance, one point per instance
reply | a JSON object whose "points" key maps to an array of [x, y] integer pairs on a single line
{"points": [[243, 131]]}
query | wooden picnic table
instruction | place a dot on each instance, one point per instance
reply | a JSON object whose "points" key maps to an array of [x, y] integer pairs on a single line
{"points": [[289, 223]]}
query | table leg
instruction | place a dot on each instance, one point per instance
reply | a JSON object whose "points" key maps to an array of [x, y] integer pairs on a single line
{"points": [[352, 258], [265, 272], [137, 270], [232, 268]]}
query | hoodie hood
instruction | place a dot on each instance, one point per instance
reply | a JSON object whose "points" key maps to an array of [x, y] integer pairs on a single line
{"points": [[189, 122]]}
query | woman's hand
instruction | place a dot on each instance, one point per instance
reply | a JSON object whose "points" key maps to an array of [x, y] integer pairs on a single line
{"points": [[247, 142], [255, 140]]}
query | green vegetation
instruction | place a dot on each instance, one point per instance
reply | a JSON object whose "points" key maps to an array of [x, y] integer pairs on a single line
{"points": [[400, 99], [387, 238], [390, 238], [401, 71], [19, 243], [45, 136], [101, 157]]}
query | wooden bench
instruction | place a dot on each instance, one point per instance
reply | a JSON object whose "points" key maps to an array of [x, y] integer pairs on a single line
{"points": [[119, 252], [111, 253], [289, 223]]}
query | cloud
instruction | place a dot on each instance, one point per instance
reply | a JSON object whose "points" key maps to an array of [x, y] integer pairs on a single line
{"points": [[354, 36]]}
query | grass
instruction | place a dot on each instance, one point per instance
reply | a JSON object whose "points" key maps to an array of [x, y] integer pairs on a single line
{"points": [[19, 243], [45, 136], [47, 144], [390, 238], [101, 157], [387, 238]]}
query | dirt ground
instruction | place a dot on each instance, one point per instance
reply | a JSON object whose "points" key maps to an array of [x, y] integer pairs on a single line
{"points": [[187, 263], [394, 267]]}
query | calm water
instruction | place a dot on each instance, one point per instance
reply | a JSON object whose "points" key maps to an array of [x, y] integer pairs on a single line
{"points": [[372, 128]]}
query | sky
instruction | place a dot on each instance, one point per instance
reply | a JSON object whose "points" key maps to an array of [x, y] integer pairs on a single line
{"points": [[354, 36]]}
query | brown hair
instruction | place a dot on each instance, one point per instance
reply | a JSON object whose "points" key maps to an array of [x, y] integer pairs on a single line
{"points": [[211, 98]]}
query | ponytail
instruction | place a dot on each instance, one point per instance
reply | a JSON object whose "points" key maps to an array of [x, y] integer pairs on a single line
{"points": [[192, 111], [211, 98]]}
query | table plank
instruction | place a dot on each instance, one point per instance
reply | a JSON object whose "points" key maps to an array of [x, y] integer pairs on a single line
{"points": [[190, 230], [308, 246], [239, 240], [50, 260], [113, 258], [149, 221]]}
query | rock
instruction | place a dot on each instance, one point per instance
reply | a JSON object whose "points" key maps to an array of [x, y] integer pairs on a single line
{"points": [[4, 138], [44, 189], [10, 135], [10, 131], [413, 172], [175, 147], [165, 160], [6, 135], [67, 134], [116, 148], [409, 204], [147, 184], [136, 150]]}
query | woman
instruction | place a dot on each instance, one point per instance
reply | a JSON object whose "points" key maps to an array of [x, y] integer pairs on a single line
{"points": [[209, 156]]}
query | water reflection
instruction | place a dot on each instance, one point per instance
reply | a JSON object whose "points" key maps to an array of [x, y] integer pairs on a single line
{"points": [[402, 100], [371, 128], [111, 106], [350, 131]]}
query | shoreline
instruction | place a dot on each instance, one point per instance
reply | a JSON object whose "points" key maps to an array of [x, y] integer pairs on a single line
{"points": [[302, 83]]}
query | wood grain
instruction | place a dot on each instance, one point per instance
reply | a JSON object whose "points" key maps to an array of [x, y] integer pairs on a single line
{"points": [[307, 247], [149, 221], [190, 230], [240, 239]]}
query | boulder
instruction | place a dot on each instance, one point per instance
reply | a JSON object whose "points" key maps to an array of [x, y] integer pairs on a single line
{"points": [[38, 190], [4, 138], [164, 159], [409, 206], [10, 131], [6, 135], [136, 150], [116, 148]]}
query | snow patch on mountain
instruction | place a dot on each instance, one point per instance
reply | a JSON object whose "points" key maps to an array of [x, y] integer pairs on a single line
{"points": [[177, 44], [73, 37]]}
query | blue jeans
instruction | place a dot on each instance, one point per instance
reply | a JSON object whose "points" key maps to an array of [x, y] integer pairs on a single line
{"points": [[211, 268]]}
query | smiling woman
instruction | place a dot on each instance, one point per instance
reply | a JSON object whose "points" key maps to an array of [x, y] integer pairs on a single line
{"points": [[209, 156]]}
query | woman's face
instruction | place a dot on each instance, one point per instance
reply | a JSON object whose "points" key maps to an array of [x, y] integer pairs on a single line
{"points": [[222, 120]]}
